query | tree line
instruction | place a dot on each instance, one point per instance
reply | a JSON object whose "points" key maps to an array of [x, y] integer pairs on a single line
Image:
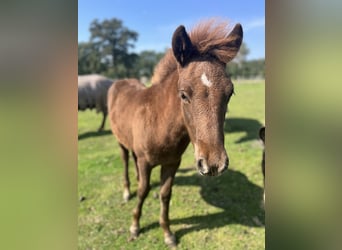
{"points": [[108, 52]]}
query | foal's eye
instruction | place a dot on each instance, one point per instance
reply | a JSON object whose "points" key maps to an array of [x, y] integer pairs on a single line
{"points": [[184, 96]]}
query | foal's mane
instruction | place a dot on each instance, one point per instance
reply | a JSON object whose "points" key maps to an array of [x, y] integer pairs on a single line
{"points": [[209, 37]]}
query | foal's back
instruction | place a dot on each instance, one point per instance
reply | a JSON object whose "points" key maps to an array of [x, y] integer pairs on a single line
{"points": [[122, 105], [147, 120]]}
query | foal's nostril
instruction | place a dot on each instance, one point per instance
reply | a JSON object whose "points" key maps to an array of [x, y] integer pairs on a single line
{"points": [[226, 163], [212, 170], [224, 167], [200, 164]]}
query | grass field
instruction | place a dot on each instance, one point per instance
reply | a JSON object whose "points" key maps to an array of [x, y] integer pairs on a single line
{"points": [[222, 212]]}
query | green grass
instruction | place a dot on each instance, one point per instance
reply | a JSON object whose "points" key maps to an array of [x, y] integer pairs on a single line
{"points": [[222, 212]]}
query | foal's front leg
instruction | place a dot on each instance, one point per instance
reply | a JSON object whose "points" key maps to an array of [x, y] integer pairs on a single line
{"points": [[143, 190], [167, 175]]}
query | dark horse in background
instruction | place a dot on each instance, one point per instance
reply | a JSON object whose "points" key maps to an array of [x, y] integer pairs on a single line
{"points": [[262, 137], [187, 102]]}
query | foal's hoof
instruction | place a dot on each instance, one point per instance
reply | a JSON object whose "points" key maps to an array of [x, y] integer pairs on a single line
{"points": [[131, 238], [126, 196], [134, 233], [170, 240]]}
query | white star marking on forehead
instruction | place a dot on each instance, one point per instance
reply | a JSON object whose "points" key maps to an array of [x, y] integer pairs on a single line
{"points": [[205, 80]]}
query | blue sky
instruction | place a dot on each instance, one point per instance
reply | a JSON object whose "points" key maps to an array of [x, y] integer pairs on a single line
{"points": [[155, 20]]}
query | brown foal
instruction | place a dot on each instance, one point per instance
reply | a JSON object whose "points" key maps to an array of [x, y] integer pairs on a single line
{"points": [[187, 102]]}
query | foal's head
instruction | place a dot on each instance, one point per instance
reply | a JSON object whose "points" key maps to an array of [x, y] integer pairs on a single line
{"points": [[205, 89]]}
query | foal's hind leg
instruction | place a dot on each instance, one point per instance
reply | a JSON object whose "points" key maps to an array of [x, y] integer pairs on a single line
{"points": [[167, 175], [124, 156], [136, 165], [143, 190]]}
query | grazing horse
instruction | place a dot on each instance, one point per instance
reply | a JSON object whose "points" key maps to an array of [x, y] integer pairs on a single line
{"points": [[186, 102], [92, 94]]}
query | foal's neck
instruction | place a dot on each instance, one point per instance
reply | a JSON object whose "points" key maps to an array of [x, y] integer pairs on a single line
{"points": [[169, 115], [167, 91]]}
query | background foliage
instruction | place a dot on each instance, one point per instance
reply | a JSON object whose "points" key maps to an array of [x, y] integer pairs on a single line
{"points": [[109, 52]]}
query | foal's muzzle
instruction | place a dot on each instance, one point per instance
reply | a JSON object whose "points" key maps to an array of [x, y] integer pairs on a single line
{"points": [[212, 170]]}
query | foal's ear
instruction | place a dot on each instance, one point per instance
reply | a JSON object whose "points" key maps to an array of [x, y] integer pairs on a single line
{"points": [[182, 46], [234, 41]]}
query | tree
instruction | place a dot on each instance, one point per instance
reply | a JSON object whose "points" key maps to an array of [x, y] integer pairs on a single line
{"points": [[241, 68], [148, 59], [247, 69], [90, 59], [242, 55], [114, 41]]}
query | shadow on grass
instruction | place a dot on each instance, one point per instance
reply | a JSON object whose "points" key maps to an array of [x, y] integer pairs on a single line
{"points": [[249, 126], [239, 198], [93, 134]]}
